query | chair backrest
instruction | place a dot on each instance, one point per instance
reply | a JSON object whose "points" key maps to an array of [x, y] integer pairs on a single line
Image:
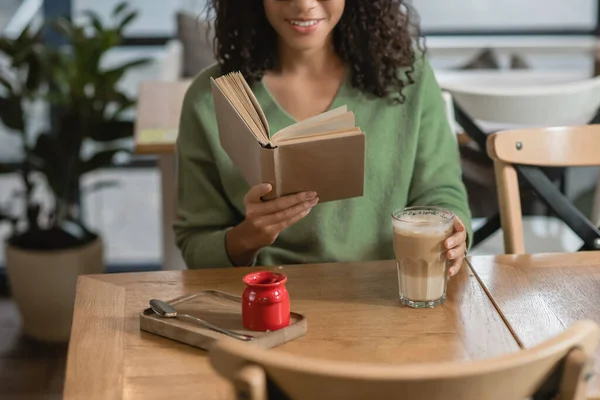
{"points": [[525, 98], [260, 374], [449, 105], [553, 147]]}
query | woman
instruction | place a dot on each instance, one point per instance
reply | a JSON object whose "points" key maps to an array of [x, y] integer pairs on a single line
{"points": [[302, 57]]}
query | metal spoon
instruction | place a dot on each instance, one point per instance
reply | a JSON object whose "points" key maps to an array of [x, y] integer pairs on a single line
{"points": [[167, 310]]}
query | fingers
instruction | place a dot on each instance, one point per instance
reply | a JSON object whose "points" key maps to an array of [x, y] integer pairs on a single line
{"points": [[456, 238], [455, 266], [253, 200], [266, 219], [457, 246], [456, 255], [290, 212], [286, 202], [457, 252], [291, 221]]}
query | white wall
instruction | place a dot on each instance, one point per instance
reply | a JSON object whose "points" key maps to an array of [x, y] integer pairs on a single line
{"points": [[435, 14], [156, 17], [501, 15]]}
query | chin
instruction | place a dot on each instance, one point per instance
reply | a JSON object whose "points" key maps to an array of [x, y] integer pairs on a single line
{"points": [[306, 47], [306, 44]]}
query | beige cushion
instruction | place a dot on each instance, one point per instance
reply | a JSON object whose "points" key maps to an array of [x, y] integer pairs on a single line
{"points": [[197, 48]]}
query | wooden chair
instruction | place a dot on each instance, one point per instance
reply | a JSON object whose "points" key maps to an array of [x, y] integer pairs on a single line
{"points": [[560, 146], [489, 101], [560, 365]]}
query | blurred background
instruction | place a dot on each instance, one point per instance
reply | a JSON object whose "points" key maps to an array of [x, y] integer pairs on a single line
{"points": [[459, 35]]}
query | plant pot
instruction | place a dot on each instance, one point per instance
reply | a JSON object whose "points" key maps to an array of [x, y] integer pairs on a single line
{"points": [[43, 284]]}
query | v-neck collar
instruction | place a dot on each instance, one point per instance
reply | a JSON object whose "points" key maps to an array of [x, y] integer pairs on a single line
{"points": [[266, 98]]}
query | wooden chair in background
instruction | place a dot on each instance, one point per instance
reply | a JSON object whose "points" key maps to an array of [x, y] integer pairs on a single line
{"points": [[560, 365], [489, 101], [518, 151]]}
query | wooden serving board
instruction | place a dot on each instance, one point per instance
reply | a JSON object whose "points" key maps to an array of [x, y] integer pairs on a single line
{"points": [[221, 309]]}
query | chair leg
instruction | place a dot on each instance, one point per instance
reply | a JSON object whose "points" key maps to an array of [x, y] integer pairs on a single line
{"points": [[250, 383], [561, 206], [562, 187], [575, 377], [563, 182]]}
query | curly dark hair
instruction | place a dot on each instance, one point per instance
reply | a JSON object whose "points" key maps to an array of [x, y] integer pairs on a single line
{"points": [[376, 38]]}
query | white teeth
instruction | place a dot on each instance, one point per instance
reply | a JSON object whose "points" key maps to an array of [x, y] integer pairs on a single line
{"points": [[305, 23]]}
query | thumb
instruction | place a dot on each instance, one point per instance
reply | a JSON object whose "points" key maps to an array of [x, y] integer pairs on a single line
{"points": [[256, 192]]}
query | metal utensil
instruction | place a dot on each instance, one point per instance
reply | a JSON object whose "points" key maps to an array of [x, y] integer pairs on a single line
{"points": [[166, 310]]}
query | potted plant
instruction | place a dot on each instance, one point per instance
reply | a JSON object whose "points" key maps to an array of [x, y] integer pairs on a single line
{"points": [[50, 246]]}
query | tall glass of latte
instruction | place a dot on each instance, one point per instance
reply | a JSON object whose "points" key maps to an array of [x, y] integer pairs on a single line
{"points": [[419, 235]]}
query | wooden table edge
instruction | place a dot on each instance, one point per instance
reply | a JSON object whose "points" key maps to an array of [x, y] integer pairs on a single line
{"points": [[154, 149], [80, 380]]}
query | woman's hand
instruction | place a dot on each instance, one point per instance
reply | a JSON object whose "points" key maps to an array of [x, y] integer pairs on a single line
{"points": [[457, 246], [264, 221]]}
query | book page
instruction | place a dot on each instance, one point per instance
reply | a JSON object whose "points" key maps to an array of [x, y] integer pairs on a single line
{"points": [[238, 97], [318, 135], [312, 121], [237, 84], [256, 104], [344, 121]]}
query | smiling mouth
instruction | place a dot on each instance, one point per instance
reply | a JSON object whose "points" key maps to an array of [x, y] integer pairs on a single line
{"points": [[304, 23]]}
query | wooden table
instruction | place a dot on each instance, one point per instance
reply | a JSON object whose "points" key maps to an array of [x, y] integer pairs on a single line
{"points": [[541, 295], [352, 312]]}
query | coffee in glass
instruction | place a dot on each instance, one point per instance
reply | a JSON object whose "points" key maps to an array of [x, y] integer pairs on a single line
{"points": [[419, 235]]}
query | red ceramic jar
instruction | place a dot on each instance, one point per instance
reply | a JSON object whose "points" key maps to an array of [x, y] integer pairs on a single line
{"points": [[265, 302]]}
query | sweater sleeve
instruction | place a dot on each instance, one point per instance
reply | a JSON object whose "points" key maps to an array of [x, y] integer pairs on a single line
{"points": [[203, 212], [437, 177]]}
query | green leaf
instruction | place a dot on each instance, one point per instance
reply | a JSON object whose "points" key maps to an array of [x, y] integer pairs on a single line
{"points": [[122, 103], [18, 59], [64, 26], [127, 20], [38, 35], [135, 63], [119, 9], [98, 160], [35, 74], [112, 76], [24, 36], [7, 47], [11, 113], [95, 20], [110, 38]]}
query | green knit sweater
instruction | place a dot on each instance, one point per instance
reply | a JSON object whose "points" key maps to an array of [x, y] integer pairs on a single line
{"points": [[411, 159]]}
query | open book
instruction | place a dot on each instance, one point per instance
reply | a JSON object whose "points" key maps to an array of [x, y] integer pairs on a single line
{"points": [[325, 153]]}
